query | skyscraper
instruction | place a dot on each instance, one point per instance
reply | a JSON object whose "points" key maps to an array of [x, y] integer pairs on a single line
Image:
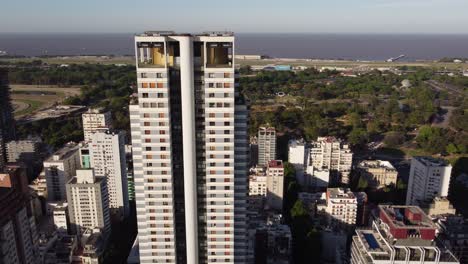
{"points": [[189, 137], [7, 125]]}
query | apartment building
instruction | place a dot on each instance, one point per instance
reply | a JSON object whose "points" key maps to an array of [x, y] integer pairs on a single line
{"points": [[429, 177], [378, 173], [266, 140], [258, 182], [320, 162], [342, 207], [18, 236], [190, 149], [59, 169], [88, 202], [297, 156], [400, 234], [107, 158], [330, 153], [93, 119], [275, 184]]}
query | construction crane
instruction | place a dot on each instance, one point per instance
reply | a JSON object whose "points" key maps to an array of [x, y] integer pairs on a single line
{"points": [[395, 59]]}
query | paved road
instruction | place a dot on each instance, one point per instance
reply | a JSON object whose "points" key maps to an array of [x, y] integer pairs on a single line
{"points": [[446, 87]]}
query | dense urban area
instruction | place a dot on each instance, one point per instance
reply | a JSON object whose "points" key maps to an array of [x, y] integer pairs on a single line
{"points": [[346, 163]]}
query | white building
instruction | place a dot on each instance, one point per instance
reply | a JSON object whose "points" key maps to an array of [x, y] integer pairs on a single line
{"points": [[59, 169], [94, 119], [258, 182], [266, 145], [88, 202], [341, 207], [315, 178], [329, 153], [378, 173], [297, 157], [189, 139], [107, 158], [60, 217], [428, 178], [275, 184]]}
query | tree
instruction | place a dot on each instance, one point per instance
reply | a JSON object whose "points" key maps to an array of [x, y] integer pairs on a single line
{"points": [[299, 210], [358, 136], [393, 139]]}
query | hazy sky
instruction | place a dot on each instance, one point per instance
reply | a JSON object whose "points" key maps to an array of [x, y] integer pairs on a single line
{"points": [[331, 16]]}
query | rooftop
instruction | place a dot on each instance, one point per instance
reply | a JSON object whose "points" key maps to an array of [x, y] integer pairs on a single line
{"points": [[406, 217], [275, 164], [430, 161], [376, 164], [340, 193], [63, 153]]}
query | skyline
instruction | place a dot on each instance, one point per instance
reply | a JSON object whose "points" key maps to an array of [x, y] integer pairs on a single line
{"points": [[298, 16]]}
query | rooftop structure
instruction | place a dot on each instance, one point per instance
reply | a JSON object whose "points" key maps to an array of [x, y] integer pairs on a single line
{"points": [[378, 173], [400, 234]]}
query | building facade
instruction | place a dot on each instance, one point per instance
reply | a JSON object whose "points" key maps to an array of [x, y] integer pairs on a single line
{"points": [[59, 169], [297, 157], [88, 202], [429, 177], [275, 184], [107, 158], [190, 149], [7, 124], [18, 236], [93, 119], [329, 153], [378, 173], [266, 140], [342, 207]]}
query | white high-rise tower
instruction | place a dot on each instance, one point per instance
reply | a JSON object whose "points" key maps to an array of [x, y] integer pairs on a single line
{"points": [[189, 137]]}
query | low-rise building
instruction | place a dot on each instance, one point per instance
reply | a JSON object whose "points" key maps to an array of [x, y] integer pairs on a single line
{"points": [[378, 173], [273, 244], [454, 235], [257, 182], [400, 234]]}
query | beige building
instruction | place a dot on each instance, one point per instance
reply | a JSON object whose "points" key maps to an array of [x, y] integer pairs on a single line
{"points": [[378, 173], [439, 206], [275, 184], [341, 207], [266, 145], [94, 119]]}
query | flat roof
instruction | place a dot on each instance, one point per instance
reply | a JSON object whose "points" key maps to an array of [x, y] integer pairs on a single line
{"points": [[167, 33], [431, 161], [397, 215]]}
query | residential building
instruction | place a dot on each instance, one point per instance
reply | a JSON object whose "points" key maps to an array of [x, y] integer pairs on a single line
{"points": [[130, 178], [453, 233], [266, 140], [60, 217], [297, 157], [342, 207], [93, 119], [27, 153], [315, 178], [93, 245], [39, 185], [7, 122], [59, 169], [329, 153], [399, 234], [258, 182], [107, 158], [190, 149], [428, 178], [88, 202], [18, 236], [275, 184], [378, 173]]}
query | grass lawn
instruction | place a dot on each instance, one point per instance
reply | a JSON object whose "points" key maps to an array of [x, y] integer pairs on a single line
{"points": [[33, 106]]}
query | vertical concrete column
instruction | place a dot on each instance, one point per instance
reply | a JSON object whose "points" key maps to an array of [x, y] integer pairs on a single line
{"points": [[189, 148]]}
